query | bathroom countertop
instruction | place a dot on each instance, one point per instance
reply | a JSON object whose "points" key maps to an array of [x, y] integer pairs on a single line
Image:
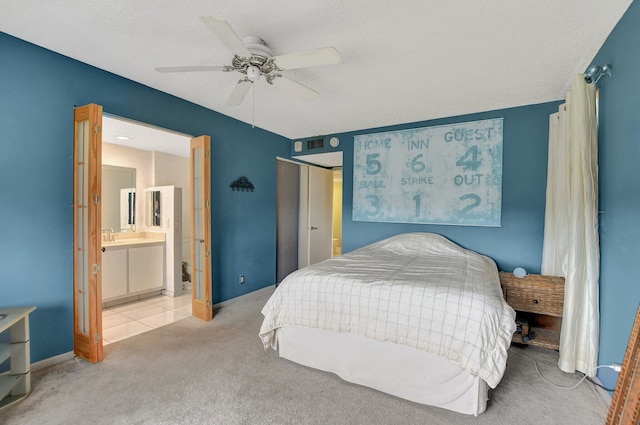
{"points": [[122, 241]]}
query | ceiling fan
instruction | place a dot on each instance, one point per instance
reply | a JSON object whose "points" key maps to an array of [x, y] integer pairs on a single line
{"points": [[253, 58]]}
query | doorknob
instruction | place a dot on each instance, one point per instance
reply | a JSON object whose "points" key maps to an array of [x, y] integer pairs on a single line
{"points": [[314, 228]]}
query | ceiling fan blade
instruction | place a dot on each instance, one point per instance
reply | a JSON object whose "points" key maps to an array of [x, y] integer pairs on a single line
{"points": [[239, 92], [227, 35], [189, 68], [295, 88], [315, 57]]}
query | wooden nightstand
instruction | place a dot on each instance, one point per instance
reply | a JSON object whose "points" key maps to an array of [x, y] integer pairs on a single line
{"points": [[538, 300]]}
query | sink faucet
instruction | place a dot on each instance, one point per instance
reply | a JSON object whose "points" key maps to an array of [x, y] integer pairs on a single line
{"points": [[111, 236]]}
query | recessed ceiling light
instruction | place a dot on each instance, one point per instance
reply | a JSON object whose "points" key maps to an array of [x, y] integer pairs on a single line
{"points": [[123, 138]]}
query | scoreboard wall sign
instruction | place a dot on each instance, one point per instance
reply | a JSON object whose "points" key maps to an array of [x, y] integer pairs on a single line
{"points": [[448, 174]]}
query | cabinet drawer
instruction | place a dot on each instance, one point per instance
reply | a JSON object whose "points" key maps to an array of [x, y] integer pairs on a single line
{"points": [[534, 293]]}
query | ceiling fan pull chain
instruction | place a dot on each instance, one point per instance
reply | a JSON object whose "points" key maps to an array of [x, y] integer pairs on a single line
{"points": [[253, 109]]}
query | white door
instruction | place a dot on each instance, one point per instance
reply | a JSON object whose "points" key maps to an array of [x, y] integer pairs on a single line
{"points": [[316, 211]]}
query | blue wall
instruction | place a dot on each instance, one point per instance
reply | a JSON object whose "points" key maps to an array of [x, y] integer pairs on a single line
{"points": [[38, 89], [619, 189], [519, 241]]}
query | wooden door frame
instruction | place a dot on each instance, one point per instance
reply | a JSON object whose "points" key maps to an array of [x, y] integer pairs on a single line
{"points": [[202, 309], [88, 346]]}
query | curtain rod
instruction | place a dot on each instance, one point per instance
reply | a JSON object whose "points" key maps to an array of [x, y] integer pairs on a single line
{"points": [[594, 73]]}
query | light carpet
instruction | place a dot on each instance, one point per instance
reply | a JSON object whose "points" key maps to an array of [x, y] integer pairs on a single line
{"points": [[217, 372]]}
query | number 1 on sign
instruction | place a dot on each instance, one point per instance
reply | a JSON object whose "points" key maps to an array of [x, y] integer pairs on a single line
{"points": [[417, 199]]}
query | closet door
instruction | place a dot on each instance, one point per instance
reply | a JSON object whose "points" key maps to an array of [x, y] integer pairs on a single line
{"points": [[287, 210], [315, 242], [201, 305], [87, 191]]}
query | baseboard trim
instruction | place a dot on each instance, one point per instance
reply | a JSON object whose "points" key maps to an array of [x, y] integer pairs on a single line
{"points": [[69, 356], [606, 396], [52, 361], [257, 292]]}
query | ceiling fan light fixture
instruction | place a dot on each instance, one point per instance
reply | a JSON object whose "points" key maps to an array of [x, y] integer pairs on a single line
{"points": [[253, 73]]}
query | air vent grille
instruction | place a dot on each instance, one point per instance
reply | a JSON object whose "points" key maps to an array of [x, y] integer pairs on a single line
{"points": [[315, 144]]}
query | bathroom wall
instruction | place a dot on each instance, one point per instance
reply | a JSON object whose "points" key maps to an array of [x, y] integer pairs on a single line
{"points": [[174, 170]]}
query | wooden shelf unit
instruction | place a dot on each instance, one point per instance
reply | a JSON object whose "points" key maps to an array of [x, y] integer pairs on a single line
{"points": [[539, 300], [15, 383]]}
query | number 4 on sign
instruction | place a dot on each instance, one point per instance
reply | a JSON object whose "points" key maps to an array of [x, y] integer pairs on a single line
{"points": [[469, 163]]}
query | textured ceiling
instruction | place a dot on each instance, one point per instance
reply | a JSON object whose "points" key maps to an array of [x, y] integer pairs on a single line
{"points": [[402, 61]]}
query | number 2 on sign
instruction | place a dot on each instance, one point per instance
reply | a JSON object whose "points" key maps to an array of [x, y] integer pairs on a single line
{"points": [[475, 203]]}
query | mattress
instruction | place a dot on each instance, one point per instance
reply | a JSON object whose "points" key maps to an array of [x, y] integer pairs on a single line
{"points": [[418, 290]]}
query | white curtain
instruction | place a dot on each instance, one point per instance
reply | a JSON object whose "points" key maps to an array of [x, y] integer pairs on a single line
{"points": [[571, 245]]}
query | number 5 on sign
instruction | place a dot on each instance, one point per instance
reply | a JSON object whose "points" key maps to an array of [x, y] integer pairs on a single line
{"points": [[373, 165]]}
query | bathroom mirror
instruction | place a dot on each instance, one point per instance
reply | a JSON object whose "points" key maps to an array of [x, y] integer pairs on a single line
{"points": [[153, 209], [118, 198]]}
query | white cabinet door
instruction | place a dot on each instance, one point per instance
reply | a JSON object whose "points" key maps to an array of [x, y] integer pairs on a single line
{"points": [[146, 268], [114, 273]]}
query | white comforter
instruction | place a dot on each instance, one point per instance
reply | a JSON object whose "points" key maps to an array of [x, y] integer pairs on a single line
{"points": [[417, 289]]}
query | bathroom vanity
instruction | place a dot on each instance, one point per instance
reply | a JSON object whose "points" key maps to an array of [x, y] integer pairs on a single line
{"points": [[133, 267]]}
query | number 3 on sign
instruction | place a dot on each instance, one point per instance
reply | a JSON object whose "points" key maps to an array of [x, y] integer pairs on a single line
{"points": [[375, 203]]}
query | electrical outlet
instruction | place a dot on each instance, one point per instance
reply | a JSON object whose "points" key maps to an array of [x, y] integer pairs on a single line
{"points": [[241, 279]]}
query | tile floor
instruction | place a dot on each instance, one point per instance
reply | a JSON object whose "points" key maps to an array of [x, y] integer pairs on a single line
{"points": [[126, 320]]}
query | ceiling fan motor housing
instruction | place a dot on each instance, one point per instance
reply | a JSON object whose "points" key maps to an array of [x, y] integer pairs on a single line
{"points": [[260, 62], [257, 46]]}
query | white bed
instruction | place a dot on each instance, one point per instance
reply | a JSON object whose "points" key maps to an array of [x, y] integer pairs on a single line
{"points": [[415, 316]]}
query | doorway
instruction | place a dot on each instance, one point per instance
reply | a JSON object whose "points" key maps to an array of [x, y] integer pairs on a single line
{"points": [[142, 258], [157, 161], [308, 211]]}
